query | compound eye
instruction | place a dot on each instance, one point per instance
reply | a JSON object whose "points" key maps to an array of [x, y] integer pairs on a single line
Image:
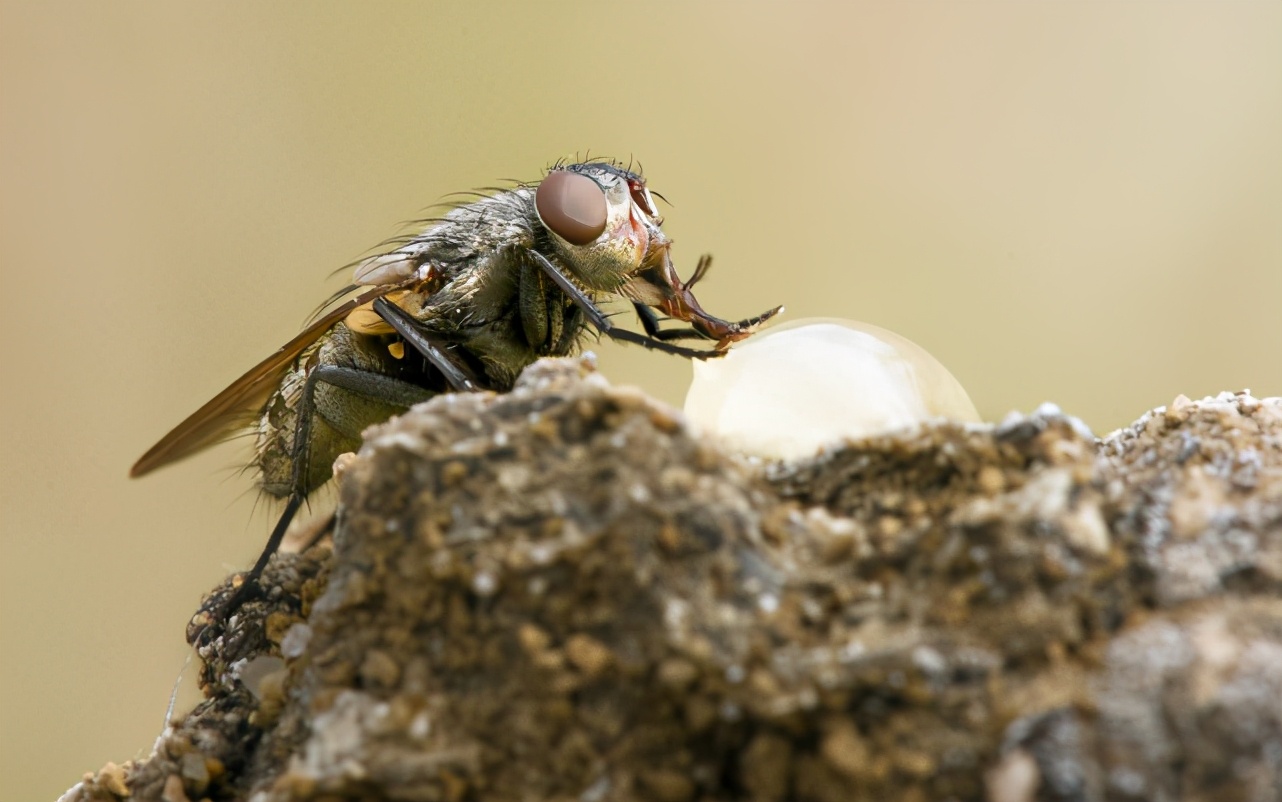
{"points": [[572, 206], [641, 197]]}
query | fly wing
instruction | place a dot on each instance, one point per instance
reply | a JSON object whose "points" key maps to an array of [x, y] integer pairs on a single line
{"points": [[235, 406]]}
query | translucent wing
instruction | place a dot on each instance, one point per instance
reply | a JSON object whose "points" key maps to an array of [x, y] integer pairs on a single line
{"points": [[234, 407]]}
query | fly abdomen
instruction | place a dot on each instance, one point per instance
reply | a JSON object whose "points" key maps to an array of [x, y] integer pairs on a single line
{"points": [[344, 384]]}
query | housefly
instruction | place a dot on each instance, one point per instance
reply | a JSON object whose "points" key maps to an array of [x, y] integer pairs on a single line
{"points": [[465, 305]]}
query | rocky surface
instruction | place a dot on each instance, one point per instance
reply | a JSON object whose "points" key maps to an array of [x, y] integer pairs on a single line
{"points": [[561, 594]]}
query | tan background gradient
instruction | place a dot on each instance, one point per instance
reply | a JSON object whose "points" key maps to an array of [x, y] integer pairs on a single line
{"points": [[1079, 203]]}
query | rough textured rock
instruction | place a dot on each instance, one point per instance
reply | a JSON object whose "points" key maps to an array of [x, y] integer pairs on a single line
{"points": [[561, 594]]}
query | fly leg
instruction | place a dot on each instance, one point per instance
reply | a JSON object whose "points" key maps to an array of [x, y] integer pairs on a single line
{"points": [[650, 319], [602, 323], [405, 325], [388, 394], [650, 322]]}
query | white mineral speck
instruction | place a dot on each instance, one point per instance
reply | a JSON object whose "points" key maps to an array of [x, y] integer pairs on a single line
{"points": [[676, 614], [1048, 410], [514, 477], [1128, 781], [421, 726], [596, 791], [1014, 779], [295, 641], [851, 651], [254, 672], [557, 503], [398, 439], [928, 660], [485, 583]]}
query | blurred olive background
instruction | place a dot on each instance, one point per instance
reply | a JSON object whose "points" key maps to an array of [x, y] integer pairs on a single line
{"points": [[1064, 202]]}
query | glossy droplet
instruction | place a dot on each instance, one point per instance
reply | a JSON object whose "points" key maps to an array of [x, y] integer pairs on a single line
{"points": [[787, 392], [572, 206]]}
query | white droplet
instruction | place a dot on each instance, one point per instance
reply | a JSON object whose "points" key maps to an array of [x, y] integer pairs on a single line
{"points": [[791, 390]]}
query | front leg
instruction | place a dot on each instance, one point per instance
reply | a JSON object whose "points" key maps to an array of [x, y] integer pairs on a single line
{"points": [[650, 322], [405, 325], [335, 410], [602, 323]]}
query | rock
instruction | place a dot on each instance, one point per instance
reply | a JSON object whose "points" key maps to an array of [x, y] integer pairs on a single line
{"points": [[559, 593]]}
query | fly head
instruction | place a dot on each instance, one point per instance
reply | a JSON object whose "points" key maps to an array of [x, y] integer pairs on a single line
{"points": [[605, 227], [595, 223]]}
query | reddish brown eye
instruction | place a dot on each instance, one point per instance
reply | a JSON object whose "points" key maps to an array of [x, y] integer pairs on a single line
{"points": [[641, 197], [572, 206]]}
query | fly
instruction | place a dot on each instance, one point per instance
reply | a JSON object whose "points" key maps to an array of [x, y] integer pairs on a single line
{"points": [[465, 305]]}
